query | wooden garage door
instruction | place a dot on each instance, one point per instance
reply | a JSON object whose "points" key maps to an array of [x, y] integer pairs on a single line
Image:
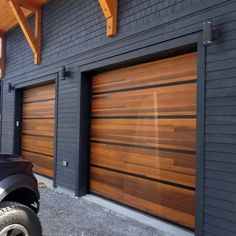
{"points": [[37, 142], [143, 137]]}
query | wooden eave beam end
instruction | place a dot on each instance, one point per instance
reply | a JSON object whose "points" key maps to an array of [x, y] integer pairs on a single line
{"points": [[109, 8], [34, 39]]}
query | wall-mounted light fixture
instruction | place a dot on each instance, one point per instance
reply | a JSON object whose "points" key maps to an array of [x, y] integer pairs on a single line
{"points": [[65, 74], [209, 34], [10, 88]]}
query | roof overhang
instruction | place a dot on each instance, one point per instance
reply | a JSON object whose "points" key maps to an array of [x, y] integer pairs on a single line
{"points": [[13, 12], [7, 17]]}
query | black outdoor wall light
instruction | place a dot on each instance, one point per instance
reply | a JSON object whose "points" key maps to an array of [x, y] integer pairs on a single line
{"points": [[209, 34], [10, 88], [65, 74]]}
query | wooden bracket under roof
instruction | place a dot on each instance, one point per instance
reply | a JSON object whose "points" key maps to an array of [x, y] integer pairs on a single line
{"points": [[34, 39], [109, 8], [2, 54]]}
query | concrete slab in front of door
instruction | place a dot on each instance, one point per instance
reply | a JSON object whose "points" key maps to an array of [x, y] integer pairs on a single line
{"points": [[166, 228], [49, 184]]}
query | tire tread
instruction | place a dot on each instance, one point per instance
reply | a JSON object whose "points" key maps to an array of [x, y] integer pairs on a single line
{"points": [[7, 207]]}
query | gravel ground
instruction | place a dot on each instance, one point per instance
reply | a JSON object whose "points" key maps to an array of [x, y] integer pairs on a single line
{"points": [[62, 215]]}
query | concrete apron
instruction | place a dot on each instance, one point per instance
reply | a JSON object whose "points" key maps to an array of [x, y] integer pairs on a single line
{"points": [[165, 228]]}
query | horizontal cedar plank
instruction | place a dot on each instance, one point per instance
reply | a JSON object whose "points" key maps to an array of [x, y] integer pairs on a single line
{"points": [[43, 171], [177, 168], [42, 145], [153, 73], [38, 128], [44, 127], [163, 101], [136, 92], [45, 92], [164, 133], [39, 160], [47, 161], [43, 109], [169, 202]]}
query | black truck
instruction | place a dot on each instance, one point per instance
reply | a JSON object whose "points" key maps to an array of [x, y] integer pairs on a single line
{"points": [[19, 198]]}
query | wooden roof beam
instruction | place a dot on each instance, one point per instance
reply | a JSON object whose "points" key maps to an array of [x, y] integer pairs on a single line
{"points": [[109, 8], [34, 39], [30, 5], [2, 54]]}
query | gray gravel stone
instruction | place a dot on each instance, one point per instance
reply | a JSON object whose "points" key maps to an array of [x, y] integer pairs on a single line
{"points": [[62, 215]]}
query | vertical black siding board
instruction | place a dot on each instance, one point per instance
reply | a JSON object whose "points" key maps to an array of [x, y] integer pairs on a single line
{"points": [[18, 93], [55, 130], [200, 152], [82, 177]]}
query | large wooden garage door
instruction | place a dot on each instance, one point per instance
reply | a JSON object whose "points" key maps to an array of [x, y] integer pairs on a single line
{"points": [[37, 142], [143, 137]]}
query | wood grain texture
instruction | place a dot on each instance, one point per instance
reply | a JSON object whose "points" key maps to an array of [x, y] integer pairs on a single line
{"points": [[38, 144], [178, 168], [143, 137], [169, 202], [45, 92], [7, 18], [44, 109], [37, 141], [148, 74], [163, 133], [42, 163], [44, 127], [165, 101]]}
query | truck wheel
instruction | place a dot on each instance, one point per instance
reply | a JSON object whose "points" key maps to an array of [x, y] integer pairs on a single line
{"points": [[18, 220]]}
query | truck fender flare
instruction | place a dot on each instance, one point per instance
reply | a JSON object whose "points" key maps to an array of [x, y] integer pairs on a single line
{"points": [[17, 181]]}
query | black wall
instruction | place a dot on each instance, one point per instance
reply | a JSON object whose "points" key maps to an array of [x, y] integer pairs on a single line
{"points": [[74, 36]]}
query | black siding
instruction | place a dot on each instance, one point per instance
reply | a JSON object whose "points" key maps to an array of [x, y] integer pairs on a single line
{"points": [[74, 36]]}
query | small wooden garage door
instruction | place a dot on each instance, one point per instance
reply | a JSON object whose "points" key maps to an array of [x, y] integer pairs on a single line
{"points": [[37, 142], [143, 137]]}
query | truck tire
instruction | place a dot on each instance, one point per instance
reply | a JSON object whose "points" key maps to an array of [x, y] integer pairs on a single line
{"points": [[17, 219]]}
